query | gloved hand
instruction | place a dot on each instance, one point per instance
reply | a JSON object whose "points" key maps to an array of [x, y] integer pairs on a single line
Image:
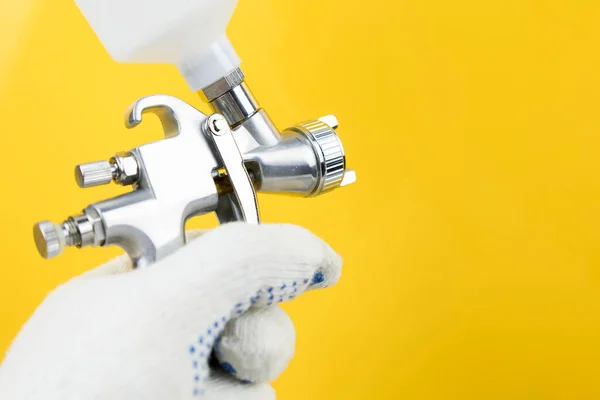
{"points": [[115, 333]]}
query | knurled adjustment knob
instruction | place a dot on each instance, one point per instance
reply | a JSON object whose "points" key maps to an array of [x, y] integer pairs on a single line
{"points": [[94, 174], [49, 239], [328, 149]]}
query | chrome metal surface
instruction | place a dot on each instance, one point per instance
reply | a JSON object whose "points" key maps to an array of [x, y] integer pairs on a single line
{"points": [[127, 169], [217, 125], [204, 164], [122, 169], [149, 222], [245, 205], [329, 152], [223, 85], [256, 131], [283, 162], [237, 105], [70, 232], [307, 159], [94, 173], [49, 239], [85, 230], [175, 183], [330, 120], [288, 167]]}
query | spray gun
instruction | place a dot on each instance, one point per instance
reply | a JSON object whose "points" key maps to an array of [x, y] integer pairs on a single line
{"points": [[213, 163]]}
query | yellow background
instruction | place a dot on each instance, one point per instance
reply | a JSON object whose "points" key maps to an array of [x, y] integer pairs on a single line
{"points": [[471, 247]]}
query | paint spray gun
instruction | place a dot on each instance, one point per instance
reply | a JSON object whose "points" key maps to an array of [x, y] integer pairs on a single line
{"points": [[205, 164]]}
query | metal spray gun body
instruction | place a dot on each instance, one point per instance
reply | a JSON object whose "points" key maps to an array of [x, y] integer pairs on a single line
{"points": [[205, 164]]}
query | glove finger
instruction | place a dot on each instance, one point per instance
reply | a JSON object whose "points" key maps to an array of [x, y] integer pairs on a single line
{"points": [[220, 386], [258, 251], [239, 265], [201, 286], [258, 345]]}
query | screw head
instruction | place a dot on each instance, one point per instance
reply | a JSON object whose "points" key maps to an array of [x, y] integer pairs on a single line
{"points": [[49, 239], [217, 124]]}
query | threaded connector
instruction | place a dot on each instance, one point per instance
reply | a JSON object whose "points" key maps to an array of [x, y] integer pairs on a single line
{"points": [[82, 230]]}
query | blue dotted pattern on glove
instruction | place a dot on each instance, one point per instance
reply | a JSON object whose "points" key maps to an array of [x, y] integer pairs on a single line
{"points": [[201, 349]]}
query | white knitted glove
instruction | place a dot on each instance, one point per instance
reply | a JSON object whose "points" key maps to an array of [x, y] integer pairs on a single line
{"points": [[148, 334]]}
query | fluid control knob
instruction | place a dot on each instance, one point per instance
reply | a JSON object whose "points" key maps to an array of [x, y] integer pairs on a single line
{"points": [[94, 174], [122, 169], [49, 239]]}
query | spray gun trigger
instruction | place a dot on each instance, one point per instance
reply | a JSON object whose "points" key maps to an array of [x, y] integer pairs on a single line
{"points": [[243, 194]]}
